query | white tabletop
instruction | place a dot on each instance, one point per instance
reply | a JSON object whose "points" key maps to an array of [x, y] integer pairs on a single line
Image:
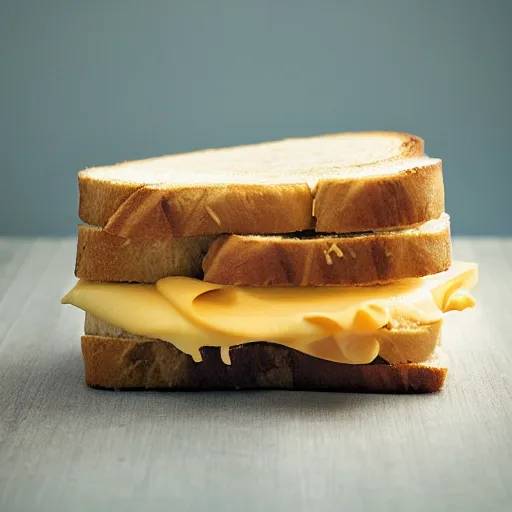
{"points": [[65, 447]]}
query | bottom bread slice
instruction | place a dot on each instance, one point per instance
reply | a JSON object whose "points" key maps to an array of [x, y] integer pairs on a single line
{"points": [[131, 363]]}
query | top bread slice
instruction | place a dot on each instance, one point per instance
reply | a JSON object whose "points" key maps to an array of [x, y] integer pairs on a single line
{"points": [[343, 183]]}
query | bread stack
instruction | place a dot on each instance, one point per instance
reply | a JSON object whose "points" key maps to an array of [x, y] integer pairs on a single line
{"points": [[320, 263]]}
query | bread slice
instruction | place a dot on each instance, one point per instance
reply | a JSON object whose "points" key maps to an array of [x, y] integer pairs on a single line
{"points": [[345, 183], [104, 257], [122, 363], [117, 359], [363, 259], [294, 259]]}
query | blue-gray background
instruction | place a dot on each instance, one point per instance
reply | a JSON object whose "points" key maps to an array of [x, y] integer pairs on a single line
{"points": [[94, 82]]}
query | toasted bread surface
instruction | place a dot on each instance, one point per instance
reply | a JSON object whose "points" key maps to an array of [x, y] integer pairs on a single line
{"points": [[121, 363], [330, 260], [104, 257], [290, 260], [342, 183]]}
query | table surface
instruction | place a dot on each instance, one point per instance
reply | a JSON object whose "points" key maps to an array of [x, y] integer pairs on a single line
{"points": [[65, 447]]}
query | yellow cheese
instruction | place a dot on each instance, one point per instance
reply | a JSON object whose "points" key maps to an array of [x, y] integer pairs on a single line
{"points": [[335, 323]]}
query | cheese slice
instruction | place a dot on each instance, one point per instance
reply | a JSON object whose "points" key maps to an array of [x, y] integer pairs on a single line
{"points": [[335, 323]]}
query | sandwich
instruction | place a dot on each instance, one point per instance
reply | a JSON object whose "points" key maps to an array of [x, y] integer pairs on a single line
{"points": [[320, 263]]}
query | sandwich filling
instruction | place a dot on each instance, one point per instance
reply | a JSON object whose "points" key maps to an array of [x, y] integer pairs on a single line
{"points": [[345, 325]]}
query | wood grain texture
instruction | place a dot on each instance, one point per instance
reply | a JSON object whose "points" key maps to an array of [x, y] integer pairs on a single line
{"points": [[66, 447]]}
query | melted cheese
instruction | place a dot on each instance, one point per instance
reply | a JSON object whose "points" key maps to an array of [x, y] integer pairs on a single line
{"points": [[335, 323]]}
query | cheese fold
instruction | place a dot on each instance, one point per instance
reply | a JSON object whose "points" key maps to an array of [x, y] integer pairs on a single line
{"points": [[335, 323]]}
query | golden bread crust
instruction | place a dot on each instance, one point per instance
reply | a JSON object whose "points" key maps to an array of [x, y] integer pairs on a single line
{"points": [[275, 187], [366, 259], [104, 257], [120, 363]]}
